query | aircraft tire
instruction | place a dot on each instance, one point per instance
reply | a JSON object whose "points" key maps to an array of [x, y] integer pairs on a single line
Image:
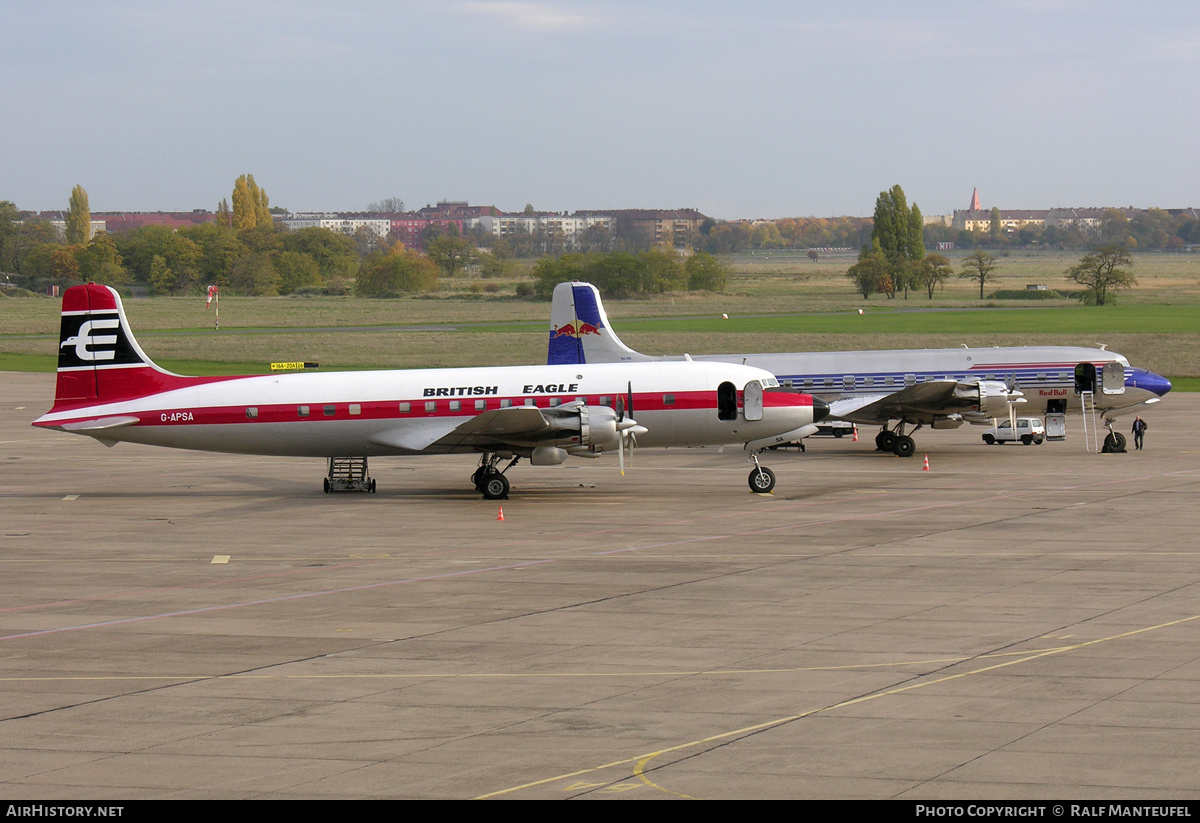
{"points": [[762, 480], [904, 446], [495, 486], [1114, 443], [884, 441]]}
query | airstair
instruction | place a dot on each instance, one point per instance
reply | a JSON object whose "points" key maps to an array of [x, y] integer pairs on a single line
{"points": [[1091, 423], [348, 474]]}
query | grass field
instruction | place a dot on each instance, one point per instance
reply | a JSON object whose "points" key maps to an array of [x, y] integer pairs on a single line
{"points": [[776, 302]]}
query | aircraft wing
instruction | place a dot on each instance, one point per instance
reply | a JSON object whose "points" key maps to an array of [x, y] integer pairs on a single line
{"points": [[514, 426], [921, 402], [496, 428]]}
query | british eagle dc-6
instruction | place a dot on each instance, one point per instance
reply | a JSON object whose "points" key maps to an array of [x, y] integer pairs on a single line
{"points": [[110, 390]]}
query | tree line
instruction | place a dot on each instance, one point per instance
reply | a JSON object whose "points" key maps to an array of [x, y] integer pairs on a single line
{"points": [[630, 274], [895, 260]]}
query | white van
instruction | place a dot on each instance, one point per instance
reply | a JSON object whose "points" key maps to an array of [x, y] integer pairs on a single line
{"points": [[1028, 430]]}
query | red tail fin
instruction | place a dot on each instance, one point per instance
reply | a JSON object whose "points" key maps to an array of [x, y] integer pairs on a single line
{"points": [[99, 361]]}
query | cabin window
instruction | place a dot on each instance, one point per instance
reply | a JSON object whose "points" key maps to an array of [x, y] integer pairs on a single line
{"points": [[430, 406], [505, 403], [808, 382], [480, 405], [252, 412], [829, 382], [330, 411], [848, 382], [554, 401], [869, 380], [455, 405], [405, 408], [605, 400], [668, 400], [910, 380], [529, 401], [355, 408], [726, 402], [302, 411]]}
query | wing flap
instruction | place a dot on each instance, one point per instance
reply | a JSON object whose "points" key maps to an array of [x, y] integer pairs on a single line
{"points": [[415, 436], [498, 427], [923, 399], [492, 429]]}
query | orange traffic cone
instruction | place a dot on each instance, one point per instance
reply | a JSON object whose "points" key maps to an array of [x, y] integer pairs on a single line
{"points": [[855, 440], [500, 516], [925, 468]]}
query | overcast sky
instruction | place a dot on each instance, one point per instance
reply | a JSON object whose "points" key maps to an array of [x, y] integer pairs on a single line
{"points": [[752, 109]]}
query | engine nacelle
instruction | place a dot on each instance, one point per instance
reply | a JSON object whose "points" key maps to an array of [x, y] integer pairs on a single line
{"points": [[988, 398], [582, 427]]}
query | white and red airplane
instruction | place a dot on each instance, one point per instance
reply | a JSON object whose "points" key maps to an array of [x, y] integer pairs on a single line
{"points": [[110, 390]]}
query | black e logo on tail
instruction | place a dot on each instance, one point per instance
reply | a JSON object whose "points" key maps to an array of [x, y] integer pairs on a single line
{"points": [[95, 339]]}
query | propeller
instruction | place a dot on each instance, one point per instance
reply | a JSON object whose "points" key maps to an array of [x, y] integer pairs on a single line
{"points": [[627, 427]]}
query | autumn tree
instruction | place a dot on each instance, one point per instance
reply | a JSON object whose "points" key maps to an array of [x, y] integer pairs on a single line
{"points": [[100, 262], [899, 229], [933, 271], [871, 272], [900, 233], [251, 206], [79, 218], [397, 271], [979, 265], [450, 253], [705, 273], [1100, 272], [10, 222], [333, 252], [165, 259]]}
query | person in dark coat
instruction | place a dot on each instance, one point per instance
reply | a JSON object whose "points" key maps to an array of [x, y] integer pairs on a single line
{"points": [[1139, 431]]}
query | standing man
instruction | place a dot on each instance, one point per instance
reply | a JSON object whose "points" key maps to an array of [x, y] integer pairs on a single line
{"points": [[1139, 431]]}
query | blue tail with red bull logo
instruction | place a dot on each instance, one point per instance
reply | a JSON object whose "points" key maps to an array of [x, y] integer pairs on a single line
{"points": [[579, 329]]}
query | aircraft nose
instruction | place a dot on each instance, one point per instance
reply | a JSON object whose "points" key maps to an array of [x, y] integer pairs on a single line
{"points": [[820, 409], [1148, 380]]}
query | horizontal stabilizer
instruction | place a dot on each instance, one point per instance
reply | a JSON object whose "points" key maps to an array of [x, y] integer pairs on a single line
{"points": [[99, 424]]}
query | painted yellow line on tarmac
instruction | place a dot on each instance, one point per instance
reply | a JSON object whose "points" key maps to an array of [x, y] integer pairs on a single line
{"points": [[641, 760]]}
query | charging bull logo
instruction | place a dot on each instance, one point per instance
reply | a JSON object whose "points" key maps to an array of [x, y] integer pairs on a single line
{"points": [[570, 330]]}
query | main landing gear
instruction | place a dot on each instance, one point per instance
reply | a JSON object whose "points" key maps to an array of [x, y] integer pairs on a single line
{"points": [[896, 441], [489, 481]]}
